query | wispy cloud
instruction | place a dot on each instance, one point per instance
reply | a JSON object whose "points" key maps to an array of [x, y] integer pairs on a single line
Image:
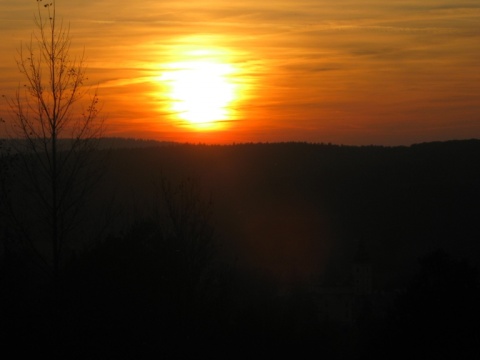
{"points": [[321, 62]]}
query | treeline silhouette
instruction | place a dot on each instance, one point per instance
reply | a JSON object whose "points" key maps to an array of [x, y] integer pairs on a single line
{"points": [[219, 249]]}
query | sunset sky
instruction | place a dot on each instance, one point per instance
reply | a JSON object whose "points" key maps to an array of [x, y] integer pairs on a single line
{"points": [[347, 71]]}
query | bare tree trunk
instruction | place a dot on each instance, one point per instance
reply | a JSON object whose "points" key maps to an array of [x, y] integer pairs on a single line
{"points": [[57, 135]]}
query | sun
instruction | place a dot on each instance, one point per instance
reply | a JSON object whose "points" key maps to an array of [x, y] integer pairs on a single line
{"points": [[200, 92]]}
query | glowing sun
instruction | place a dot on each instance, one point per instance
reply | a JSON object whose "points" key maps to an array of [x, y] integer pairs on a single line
{"points": [[200, 92]]}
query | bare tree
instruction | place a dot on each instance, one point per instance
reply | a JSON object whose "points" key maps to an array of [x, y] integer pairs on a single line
{"points": [[57, 123]]}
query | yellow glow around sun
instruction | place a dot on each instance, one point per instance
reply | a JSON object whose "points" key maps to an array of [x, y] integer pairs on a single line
{"points": [[200, 91]]}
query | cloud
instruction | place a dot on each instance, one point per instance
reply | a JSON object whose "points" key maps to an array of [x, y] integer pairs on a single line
{"points": [[304, 59]]}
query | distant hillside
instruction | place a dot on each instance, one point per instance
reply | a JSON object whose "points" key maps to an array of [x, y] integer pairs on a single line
{"points": [[103, 143], [125, 143], [298, 209]]}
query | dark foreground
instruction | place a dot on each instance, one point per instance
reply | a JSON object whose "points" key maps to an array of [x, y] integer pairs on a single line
{"points": [[304, 250]]}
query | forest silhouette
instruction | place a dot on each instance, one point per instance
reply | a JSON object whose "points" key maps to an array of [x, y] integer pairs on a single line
{"points": [[230, 250]]}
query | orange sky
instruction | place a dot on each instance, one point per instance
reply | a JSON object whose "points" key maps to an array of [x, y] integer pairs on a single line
{"points": [[370, 72]]}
